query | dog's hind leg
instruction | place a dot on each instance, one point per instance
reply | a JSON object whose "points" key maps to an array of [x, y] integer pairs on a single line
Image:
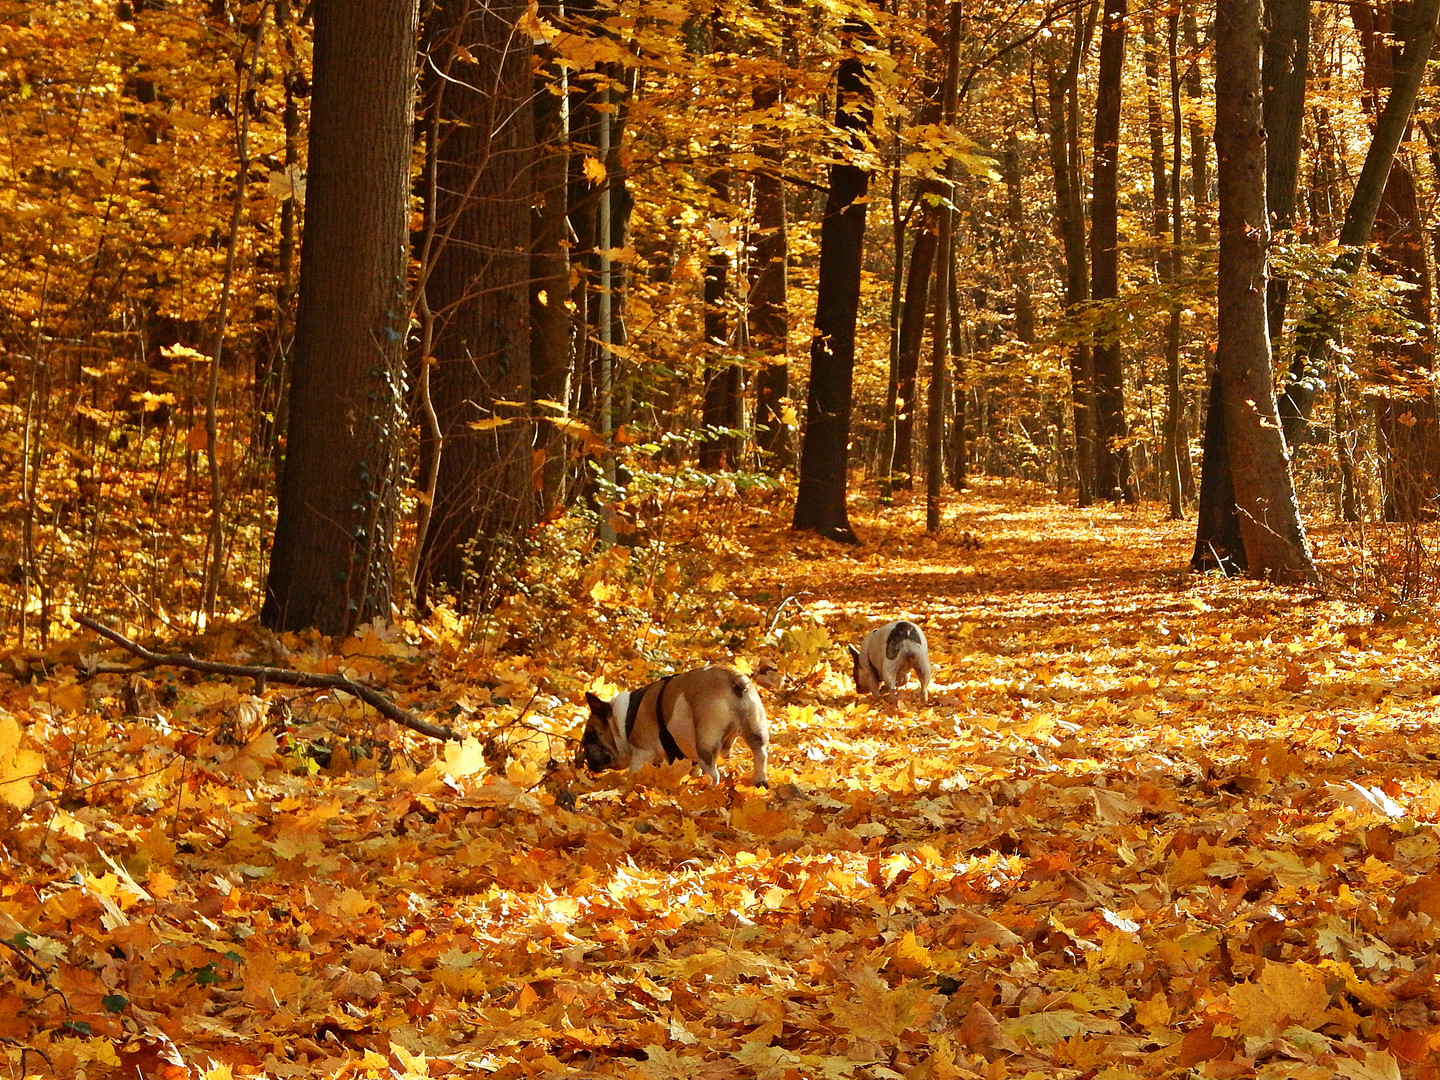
{"points": [[922, 670]]}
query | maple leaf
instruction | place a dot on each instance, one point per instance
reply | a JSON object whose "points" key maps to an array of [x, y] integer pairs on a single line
{"points": [[878, 1013]]}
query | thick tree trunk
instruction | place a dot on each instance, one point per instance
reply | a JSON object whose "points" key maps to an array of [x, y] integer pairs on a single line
{"points": [[478, 288], [1264, 495], [331, 565], [824, 455], [1113, 477]]}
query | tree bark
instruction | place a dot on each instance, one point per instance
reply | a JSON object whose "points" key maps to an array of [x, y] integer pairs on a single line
{"points": [[1113, 477], [478, 287], [1285, 68], [1062, 135], [899, 470], [552, 328], [768, 307], [1179, 469], [721, 406], [824, 454], [331, 565], [944, 269], [1264, 501]]}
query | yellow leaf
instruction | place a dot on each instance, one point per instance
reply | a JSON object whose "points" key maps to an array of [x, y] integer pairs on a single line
{"points": [[464, 758], [1154, 1013], [594, 170], [18, 767], [489, 423]]}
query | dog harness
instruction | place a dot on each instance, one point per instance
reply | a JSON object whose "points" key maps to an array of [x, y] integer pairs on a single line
{"points": [[672, 748]]}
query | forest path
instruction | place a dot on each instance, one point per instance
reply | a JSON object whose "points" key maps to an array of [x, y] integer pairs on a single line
{"points": [[1150, 824]]}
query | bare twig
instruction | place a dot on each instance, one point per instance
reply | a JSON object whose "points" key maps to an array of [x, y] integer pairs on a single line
{"points": [[372, 697]]}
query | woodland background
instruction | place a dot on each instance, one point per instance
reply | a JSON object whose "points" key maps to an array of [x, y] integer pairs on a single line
{"points": [[552, 395]]}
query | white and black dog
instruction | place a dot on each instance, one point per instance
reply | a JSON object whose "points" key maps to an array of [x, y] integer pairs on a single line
{"points": [[887, 656], [694, 715]]}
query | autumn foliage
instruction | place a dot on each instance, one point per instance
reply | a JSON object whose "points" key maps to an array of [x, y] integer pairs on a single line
{"points": [[1151, 824]]}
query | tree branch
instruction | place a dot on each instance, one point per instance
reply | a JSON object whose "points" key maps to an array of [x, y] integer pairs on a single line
{"points": [[285, 676]]}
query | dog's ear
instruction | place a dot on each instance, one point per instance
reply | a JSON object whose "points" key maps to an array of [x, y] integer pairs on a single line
{"points": [[853, 651], [596, 704]]}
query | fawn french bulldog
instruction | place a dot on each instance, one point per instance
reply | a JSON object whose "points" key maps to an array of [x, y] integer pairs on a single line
{"points": [[695, 715]]}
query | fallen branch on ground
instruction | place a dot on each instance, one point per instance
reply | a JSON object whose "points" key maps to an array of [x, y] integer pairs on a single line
{"points": [[285, 676]]}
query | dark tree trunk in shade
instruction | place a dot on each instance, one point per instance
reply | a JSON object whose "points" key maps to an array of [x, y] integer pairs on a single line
{"points": [[721, 404], [769, 311], [331, 566], [824, 455], [1113, 477], [1264, 502], [478, 288]]}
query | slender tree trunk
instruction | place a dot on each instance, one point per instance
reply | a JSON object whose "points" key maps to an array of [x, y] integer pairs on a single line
{"points": [[1199, 143], [1177, 437], [901, 467], [1273, 538], [824, 454], [1113, 477], [1284, 71], [552, 331], [1062, 132], [478, 287], [944, 270], [721, 403], [331, 566], [769, 311]]}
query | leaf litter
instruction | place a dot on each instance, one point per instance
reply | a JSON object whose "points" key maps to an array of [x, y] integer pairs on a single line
{"points": [[1151, 824]]}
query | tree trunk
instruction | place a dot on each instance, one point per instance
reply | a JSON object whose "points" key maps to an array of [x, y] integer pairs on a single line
{"points": [[899, 471], [769, 311], [1264, 501], [552, 328], [944, 269], [1284, 71], [1113, 478], [824, 454], [1177, 438], [1062, 98], [331, 565], [721, 403], [478, 288]]}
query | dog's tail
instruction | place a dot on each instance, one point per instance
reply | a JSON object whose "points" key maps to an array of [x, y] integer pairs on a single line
{"points": [[901, 634]]}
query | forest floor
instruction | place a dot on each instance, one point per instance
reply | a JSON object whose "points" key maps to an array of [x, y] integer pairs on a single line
{"points": [[1150, 824]]}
